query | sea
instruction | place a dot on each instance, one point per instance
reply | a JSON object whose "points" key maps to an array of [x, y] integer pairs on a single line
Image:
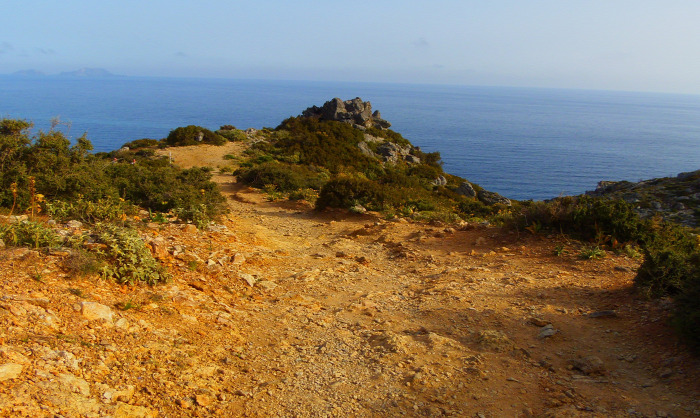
{"points": [[524, 143]]}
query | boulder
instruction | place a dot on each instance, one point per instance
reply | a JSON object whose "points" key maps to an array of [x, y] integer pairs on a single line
{"points": [[393, 153], [365, 149], [440, 181], [10, 371], [466, 189], [96, 311], [491, 198], [412, 159]]}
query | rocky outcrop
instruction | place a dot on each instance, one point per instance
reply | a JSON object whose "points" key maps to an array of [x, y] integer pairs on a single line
{"points": [[355, 111], [492, 198], [393, 153], [676, 199], [466, 189]]}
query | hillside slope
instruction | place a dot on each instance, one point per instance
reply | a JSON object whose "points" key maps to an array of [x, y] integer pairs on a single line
{"points": [[280, 310]]}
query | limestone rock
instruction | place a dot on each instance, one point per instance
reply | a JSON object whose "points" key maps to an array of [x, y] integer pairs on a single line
{"points": [[74, 224], [159, 248], [491, 198], [74, 384], [266, 285], [590, 365], [249, 278], [547, 331], [392, 152], [96, 311], [440, 181], [132, 411], [466, 189], [10, 371]]}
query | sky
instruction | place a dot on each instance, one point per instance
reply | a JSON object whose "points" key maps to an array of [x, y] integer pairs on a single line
{"points": [[638, 45]]}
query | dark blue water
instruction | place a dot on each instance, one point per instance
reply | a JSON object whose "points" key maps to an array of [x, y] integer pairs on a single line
{"points": [[522, 143]]}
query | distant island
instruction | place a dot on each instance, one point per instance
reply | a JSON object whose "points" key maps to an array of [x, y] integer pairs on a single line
{"points": [[82, 73]]}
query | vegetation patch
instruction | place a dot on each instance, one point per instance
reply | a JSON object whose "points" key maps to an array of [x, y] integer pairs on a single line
{"points": [[307, 156], [130, 261], [193, 135], [28, 234]]}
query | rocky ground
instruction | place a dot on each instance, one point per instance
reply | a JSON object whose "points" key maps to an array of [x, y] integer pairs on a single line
{"points": [[282, 311]]}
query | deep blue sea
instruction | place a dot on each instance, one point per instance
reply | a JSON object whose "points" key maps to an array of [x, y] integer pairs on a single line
{"points": [[523, 143]]}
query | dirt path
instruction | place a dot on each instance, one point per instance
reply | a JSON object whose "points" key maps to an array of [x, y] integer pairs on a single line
{"points": [[283, 311]]}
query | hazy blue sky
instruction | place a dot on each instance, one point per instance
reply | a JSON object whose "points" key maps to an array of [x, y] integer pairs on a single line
{"points": [[612, 44]]}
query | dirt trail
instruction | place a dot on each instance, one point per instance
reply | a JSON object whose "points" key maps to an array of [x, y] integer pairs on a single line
{"points": [[284, 311]]}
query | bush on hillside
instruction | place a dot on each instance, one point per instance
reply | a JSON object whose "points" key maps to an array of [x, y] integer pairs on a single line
{"points": [[348, 192], [285, 177], [585, 217], [130, 261], [671, 261], [141, 143], [232, 134], [193, 135]]}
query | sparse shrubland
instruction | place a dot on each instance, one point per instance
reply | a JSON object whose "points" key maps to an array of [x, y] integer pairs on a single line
{"points": [[45, 174]]}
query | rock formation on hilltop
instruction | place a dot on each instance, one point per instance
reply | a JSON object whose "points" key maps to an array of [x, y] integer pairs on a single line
{"points": [[355, 111]]}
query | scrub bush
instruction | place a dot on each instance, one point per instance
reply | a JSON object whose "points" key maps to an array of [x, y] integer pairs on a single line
{"points": [[129, 259], [193, 135], [348, 192]]}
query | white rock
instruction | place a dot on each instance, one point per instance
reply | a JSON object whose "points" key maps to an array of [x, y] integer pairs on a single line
{"points": [[238, 258], [74, 224], [122, 323], [96, 311], [248, 278], [267, 285], [10, 371], [74, 384]]}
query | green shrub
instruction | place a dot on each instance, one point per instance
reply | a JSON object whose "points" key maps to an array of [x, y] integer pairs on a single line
{"points": [[129, 259], [232, 134], [196, 214], [286, 177], [102, 210], [671, 261], [473, 208], [82, 263], [389, 135], [193, 135], [309, 195], [348, 192], [141, 143], [28, 233], [585, 217], [591, 253]]}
